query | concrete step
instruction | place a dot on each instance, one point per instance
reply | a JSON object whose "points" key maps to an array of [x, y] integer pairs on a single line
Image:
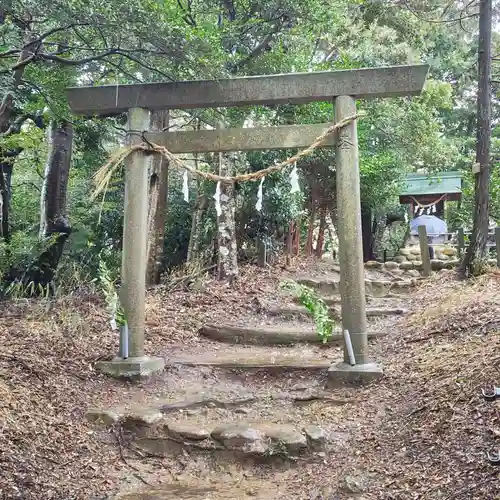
{"points": [[298, 310], [204, 490], [388, 301], [271, 335], [262, 361], [373, 288], [230, 404]]}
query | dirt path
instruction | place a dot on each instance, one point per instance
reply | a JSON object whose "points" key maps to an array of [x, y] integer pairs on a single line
{"points": [[420, 433], [209, 430], [287, 394]]}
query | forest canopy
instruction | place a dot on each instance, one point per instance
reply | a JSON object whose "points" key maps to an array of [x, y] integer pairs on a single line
{"points": [[53, 233]]}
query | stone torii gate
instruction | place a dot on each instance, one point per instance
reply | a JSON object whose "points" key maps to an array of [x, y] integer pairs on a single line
{"points": [[340, 87]]}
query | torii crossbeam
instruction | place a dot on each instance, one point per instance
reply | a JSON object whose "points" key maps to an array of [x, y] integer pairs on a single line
{"points": [[340, 87]]}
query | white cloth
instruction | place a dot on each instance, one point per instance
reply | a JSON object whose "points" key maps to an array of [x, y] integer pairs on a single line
{"points": [[294, 180], [185, 187], [258, 205], [218, 208]]}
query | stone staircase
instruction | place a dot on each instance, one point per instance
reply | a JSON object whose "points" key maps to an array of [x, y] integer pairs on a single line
{"points": [[250, 393], [374, 288]]}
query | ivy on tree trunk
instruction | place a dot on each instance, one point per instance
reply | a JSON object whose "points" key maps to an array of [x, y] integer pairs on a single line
{"points": [[228, 249]]}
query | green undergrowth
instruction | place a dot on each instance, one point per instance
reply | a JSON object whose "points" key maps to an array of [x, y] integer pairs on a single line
{"points": [[113, 305], [315, 305]]}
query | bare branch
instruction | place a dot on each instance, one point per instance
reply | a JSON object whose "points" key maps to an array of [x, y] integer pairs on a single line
{"points": [[103, 55], [118, 66], [10, 53], [23, 63], [45, 35], [76, 62], [15, 127], [460, 19], [261, 47], [38, 40], [27, 184], [146, 66], [188, 16]]}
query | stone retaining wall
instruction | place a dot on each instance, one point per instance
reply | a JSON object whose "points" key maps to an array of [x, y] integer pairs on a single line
{"points": [[408, 262], [412, 253]]}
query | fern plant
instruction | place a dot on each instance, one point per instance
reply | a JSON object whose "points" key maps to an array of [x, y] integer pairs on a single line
{"points": [[316, 306]]}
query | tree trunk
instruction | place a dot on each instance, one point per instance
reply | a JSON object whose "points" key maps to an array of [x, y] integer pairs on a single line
{"points": [[335, 223], [289, 243], [201, 204], [378, 238], [7, 102], [296, 238], [367, 232], [55, 183], [5, 195], [228, 248], [54, 225], [321, 234], [6, 112], [334, 219], [196, 228], [310, 229], [476, 256], [158, 195]]}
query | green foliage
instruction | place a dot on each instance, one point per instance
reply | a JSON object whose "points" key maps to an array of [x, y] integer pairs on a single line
{"points": [[21, 254], [19, 251], [168, 40], [279, 206], [393, 239], [178, 229], [108, 287], [460, 215], [18, 290], [316, 306]]}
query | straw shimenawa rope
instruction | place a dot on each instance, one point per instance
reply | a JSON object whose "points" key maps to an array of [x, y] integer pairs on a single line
{"points": [[421, 205], [104, 175]]}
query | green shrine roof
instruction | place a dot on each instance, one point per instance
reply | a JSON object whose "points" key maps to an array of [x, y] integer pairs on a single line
{"points": [[442, 183]]}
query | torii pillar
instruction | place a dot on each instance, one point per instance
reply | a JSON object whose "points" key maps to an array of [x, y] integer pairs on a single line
{"points": [[352, 272], [343, 87]]}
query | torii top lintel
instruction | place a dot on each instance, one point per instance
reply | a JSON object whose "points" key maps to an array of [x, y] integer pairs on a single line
{"points": [[291, 88]]}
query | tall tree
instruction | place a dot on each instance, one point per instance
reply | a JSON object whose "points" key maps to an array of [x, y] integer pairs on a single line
{"points": [[477, 252], [55, 182], [54, 223], [42, 41], [158, 192], [200, 206]]}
